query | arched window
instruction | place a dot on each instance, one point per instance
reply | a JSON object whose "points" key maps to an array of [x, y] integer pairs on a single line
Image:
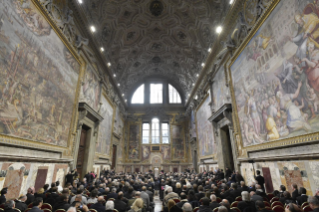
{"points": [[174, 97], [138, 96]]}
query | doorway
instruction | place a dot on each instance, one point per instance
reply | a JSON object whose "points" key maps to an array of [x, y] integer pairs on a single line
{"points": [[114, 157], [227, 149], [82, 149]]}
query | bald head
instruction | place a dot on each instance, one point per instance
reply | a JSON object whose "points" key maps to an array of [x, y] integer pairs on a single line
{"points": [[100, 199], [225, 203]]}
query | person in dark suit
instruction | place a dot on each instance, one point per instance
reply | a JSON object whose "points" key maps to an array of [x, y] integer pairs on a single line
{"points": [[313, 203], [295, 192], [234, 192], [99, 205], [62, 203], [243, 186], [37, 204], [242, 205], [183, 200], [9, 206], [30, 195], [286, 199], [200, 193], [260, 206], [20, 203], [214, 204], [260, 179], [53, 197], [4, 191], [119, 204], [112, 194], [205, 205], [303, 198]]}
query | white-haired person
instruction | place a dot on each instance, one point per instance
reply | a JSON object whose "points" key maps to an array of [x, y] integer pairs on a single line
{"points": [[170, 195], [109, 206]]}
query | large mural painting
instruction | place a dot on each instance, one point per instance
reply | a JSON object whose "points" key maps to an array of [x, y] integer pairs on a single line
{"points": [[38, 76], [177, 142], [134, 140], [205, 129], [105, 129], [219, 89], [91, 88], [276, 76]]}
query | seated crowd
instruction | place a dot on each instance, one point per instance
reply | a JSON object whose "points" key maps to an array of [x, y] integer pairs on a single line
{"points": [[179, 192]]}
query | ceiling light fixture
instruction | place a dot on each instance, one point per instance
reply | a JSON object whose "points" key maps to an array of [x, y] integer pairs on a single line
{"points": [[193, 84], [114, 75], [102, 49], [80, 1], [93, 28], [108, 64], [118, 84], [203, 64], [219, 29], [231, 1], [122, 94], [210, 49], [197, 75], [196, 97], [125, 100]]}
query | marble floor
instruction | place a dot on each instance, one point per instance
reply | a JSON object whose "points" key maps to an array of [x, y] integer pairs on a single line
{"points": [[158, 204]]}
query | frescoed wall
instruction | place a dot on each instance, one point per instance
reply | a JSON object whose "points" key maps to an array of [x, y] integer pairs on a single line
{"points": [[134, 141], [205, 129], [177, 139], [166, 152], [105, 129], [118, 122], [38, 76], [275, 78], [219, 89], [91, 88], [146, 152]]}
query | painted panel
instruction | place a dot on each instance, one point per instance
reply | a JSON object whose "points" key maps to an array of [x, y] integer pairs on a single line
{"points": [[118, 122], [105, 128], [275, 77], [205, 129], [38, 76], [134, 140], [178, 147], [166, 152], [91, 88], [219, 89], [13, 180], [145, 152]]}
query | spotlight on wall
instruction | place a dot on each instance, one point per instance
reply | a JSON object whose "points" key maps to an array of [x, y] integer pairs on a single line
{"points": [[219, 29], [102, 49], [93, 28]]}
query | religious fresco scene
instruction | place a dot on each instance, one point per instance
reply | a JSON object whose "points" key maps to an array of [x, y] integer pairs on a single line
{"points": [[37, 83], [220, 91], [146, 152], [166, 152], [205, 134], [91, 88], [134, 140], [105, 129], [275, 77], [178, 147]]}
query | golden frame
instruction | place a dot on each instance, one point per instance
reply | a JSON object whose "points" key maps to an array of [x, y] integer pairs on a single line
{"points": [[109, 154], [67, 152], [242, 151]]}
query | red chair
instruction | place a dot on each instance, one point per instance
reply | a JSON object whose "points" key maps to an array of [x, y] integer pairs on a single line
{"points": [[89, 205], [304, 204], [47, 194], [16, 209], [268, 208], [267, 204], [266, 199], [235, 209], [2, 206], [270, 195], [27, 209], [278, 208], [274, 199], [92, 210], [307, 208], [30, 205], [60, 210], [276, 203], [196, 209], [218, 199], [238, 199], [104, 197], [46, 210], [215, 210], [1, 209], [176, 200], [234, 204], [114, 210], [46, 206]]}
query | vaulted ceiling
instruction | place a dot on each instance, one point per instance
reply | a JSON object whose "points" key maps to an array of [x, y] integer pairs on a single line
{"points": [[164, 38]]}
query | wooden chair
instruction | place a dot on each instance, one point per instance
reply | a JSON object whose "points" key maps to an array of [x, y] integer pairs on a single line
{"points": [[46, 206], [215, 210], [46, 210], [218, 199], [304, 204], [60, 210], [238, 199], [307, 208], [270, 196], [176, 200], [92, 210], [196, 209], [16, 209], [267, 204], [78, 211], [278, 208], [235, 209], [30, 205], [274, 199], [2, 206], [276, 203], [114, 210], [234, 204]]}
